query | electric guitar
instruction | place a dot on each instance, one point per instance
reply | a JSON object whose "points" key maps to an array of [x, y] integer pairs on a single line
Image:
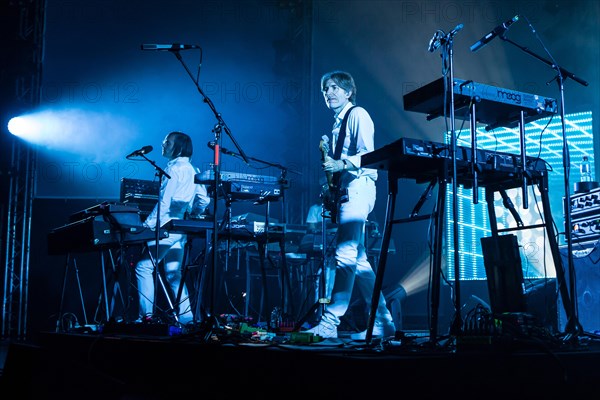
{"points": [[329, 192]]}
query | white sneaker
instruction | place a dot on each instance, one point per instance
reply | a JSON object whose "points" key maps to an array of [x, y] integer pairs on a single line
{"points": [[380, 330], [324, 329]]}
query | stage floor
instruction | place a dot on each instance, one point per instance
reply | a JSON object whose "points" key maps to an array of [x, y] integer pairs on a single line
{"points": [[138, 365]]}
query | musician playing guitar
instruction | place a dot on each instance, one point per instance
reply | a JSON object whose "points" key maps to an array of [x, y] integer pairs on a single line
{"points": [[351, 198], [331, 193]]}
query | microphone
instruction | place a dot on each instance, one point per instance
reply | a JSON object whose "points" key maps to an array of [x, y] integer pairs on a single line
{"points": [[499, 30], [223, 149], [143, 150], [439, 38], [455, 30], [169, 47], [435, 42]]}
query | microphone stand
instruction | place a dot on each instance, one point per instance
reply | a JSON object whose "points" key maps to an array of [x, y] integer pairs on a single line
{"points": [[265, 198], [219, 127], [322, 299], [447, 52], [160, 173], [572, 327]]}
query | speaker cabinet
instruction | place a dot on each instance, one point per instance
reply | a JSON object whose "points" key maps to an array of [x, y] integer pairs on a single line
{"points": [[586, 265]]}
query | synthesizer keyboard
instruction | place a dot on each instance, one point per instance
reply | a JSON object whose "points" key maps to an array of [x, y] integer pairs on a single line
{"points": [[97, 233], [494, 106], [243, 186], [424, 160]]}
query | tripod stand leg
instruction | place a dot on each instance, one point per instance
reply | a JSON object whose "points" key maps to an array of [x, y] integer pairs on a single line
{"points": [[62, 296], [104, 286], [387, 231], [326, 278], [116, 292], [85, 320], [437, 260], [162, 284], [201, 281], [186, 268], [262, 248], [155, 276], [287, 301], [59, 327], [196, 297], [312, 309], [200, 313]]}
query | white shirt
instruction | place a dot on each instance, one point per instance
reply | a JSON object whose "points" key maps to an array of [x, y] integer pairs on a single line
{"points": [[359, 140], [180, 194]]}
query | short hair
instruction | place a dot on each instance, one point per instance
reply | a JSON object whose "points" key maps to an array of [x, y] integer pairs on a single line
{"points": [[182, 144], [343, 79]]}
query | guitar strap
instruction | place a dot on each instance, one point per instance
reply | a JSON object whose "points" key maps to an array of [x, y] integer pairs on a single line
{"points": [[341, 136], [335, 195], [341, 195]]}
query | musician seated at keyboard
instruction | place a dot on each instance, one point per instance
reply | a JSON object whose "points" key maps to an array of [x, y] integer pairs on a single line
{"points": [[178, 195]]}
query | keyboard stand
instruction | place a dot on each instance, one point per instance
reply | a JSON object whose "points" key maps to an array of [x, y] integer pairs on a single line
{"points": [[438, 214], [539, 177]]}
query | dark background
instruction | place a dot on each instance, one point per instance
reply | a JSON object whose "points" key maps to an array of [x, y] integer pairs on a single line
{"points": [[260, 66]]}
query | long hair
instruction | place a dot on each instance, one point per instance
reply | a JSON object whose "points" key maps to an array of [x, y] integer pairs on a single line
{"points": [[182, 144], [342, 79]]}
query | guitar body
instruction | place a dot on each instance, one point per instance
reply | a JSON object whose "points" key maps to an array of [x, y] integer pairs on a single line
{"points": [[329, 193], [334, 195]]}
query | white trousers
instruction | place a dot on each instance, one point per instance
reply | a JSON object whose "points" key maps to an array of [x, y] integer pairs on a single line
{"points": [[352, 268], [171, 250]]}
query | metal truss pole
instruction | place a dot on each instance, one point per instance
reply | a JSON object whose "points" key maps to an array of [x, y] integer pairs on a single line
{"points": [[22, 172]]}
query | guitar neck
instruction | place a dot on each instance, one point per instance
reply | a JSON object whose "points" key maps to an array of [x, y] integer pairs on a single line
{"points": [[329, 175]]}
